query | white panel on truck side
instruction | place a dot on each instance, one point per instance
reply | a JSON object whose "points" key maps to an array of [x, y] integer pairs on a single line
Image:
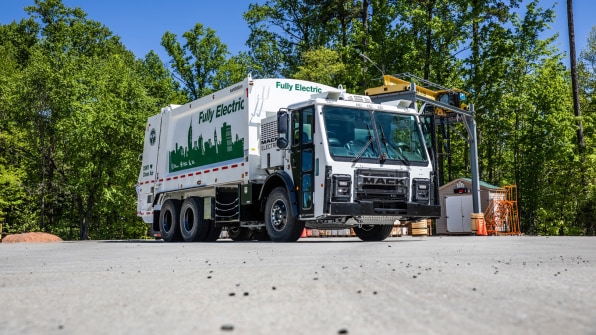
{"points": [[267, 97], [148, 174], [207, 141]]}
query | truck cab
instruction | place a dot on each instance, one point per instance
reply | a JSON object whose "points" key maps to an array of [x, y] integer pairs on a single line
{"points": [[353, 163]]}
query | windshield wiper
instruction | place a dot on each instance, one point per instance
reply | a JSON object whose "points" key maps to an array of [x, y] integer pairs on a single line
{"points": [[397, 150], [370, 139]]}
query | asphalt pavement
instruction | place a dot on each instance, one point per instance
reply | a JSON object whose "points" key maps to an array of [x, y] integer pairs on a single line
{"points": [[404, 285]]}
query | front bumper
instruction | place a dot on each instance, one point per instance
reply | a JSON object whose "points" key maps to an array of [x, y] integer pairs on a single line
{"points": [[370, 208]]}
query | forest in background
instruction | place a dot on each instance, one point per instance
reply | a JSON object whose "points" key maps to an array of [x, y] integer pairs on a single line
{"points": [[74, 100]]}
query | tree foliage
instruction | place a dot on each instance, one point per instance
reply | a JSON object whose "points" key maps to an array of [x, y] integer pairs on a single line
{"points": [[74, 100], [196, 63], [321, 66], [73, 122]]}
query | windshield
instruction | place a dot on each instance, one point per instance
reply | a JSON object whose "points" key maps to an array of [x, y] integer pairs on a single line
{"points": [[350, 133], [400, 137], [355, 134]]}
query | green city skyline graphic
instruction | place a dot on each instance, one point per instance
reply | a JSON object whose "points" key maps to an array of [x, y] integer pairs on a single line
{"points": [[204, 152]]}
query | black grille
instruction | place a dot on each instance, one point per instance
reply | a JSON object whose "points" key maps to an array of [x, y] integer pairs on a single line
{"points": [[382, 185]]}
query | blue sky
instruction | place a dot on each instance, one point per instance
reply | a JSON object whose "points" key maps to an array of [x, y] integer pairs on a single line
{"points": [[141, 23]]}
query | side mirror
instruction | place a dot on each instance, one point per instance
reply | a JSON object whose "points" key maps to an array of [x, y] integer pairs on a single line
{"points": [[282, 122], [283, 119]]}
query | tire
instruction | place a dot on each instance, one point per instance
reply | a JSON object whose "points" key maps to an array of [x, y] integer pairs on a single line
{"points": [[373, 232], [260, 234], [213, 233], [280, 222], [239, 234], [168, 221], [192, 227]]}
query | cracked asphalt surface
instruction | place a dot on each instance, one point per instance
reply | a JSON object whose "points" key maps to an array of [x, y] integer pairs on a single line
{"points": [[404, 285]]}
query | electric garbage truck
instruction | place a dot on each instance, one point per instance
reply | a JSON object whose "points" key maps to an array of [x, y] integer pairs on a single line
{"points": [[266, 158]]}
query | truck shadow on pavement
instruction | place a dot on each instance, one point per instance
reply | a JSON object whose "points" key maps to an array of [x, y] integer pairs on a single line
{"points": [[300, 241]]}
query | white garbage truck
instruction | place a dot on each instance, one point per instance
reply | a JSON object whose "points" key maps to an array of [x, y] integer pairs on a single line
{"points": [[266, 158]]}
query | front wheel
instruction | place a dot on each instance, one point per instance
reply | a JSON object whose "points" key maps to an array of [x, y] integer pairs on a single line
{"points": [[280, 222], [373, 232]]}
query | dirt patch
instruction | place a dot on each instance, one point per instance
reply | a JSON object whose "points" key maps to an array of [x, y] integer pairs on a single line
{"points": [[35, 237]]}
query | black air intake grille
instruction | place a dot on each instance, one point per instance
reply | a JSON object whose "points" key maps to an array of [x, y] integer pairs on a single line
{"points": [[382, 185]]}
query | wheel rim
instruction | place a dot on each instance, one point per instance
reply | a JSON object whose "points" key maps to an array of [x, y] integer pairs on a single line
{"points": [[279, 215], [167, 222], [188, 220]]}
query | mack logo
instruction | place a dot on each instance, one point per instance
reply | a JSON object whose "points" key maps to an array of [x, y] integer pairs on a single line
{"points": [[269, 140], [383, 181], [268, 144]]}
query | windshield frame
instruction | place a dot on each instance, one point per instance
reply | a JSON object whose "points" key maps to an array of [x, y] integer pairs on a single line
{"points": [[349, 130]]}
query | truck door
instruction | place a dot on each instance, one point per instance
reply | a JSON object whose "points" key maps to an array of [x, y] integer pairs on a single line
{"points": [[302, 158]]}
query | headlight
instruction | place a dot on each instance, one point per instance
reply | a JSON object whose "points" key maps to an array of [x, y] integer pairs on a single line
{"points": [[342, 188], [421, 188]]}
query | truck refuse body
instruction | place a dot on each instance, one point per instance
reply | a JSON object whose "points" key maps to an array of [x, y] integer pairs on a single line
{"points": [[265, 158]]}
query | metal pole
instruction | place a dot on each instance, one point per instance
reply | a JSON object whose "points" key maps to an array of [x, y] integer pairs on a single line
{"points": [[413, 95], [474, 161]]}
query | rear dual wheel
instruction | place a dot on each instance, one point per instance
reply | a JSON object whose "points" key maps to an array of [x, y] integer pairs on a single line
{"points": [[193, 226], [168, 221], [185, 222]]}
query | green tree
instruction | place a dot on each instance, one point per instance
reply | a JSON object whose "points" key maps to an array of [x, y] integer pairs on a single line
{"points": [[103, 139], [159, 82], [235, 69], [483, 19], [72, 122], [322, 66], [525, 124], [12, 190], [587, 87], [581, 144], [434, 31], [282, 30], [196, 63]]}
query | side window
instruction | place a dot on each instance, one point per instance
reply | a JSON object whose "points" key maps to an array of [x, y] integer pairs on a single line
{"points": [[307, 128], [295, 128], [302, 126], [427, 124]]}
